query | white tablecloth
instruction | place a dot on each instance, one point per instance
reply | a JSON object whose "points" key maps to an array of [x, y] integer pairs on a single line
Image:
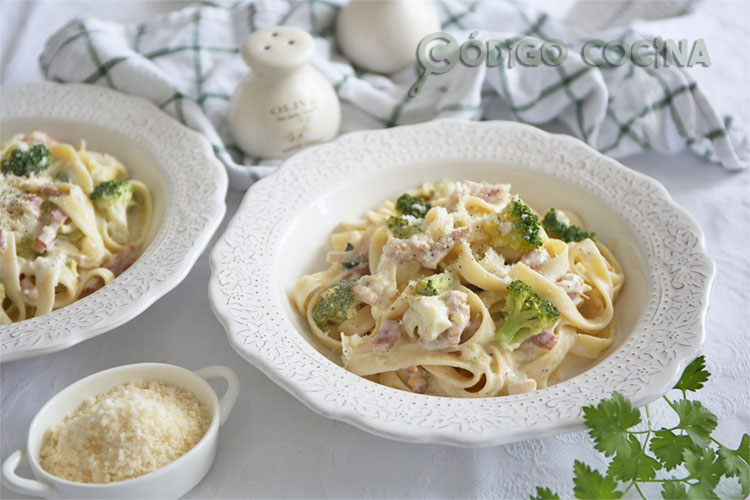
{"points": [[274, 446]]}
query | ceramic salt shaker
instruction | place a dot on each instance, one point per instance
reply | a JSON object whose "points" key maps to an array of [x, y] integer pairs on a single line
{"points": [[382, 36], [284, 104]]}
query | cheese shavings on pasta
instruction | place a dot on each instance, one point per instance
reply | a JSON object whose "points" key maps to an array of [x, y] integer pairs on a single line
{"points": [[70, 222], [456, 289]]}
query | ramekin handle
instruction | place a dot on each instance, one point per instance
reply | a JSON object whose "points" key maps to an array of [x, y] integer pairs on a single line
{"points": [[20, 484], [233, 387]]}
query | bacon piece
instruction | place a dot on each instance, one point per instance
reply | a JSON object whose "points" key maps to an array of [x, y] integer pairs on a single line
{"points": [[58, 216], [118, 263], [459, 313], [29, 289], [409, 249], [373, 290], [577, 298], [122, 260], [545, 339], [3, 243], [535, 258], [40, 137], [492, 193], [575, 286], [91, 286], [444, 245], [416, 378], [426, 251], [48, 233], [389, 333], [50, 191]]}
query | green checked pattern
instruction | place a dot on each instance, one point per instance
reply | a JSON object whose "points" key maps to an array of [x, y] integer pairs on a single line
{"points": [[188, 64]]}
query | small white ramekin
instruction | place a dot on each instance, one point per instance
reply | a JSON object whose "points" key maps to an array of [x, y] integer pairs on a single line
{"points": [[171, 481]]}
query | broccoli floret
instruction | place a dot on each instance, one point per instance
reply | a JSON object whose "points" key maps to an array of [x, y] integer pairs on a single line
{"points": [[527, 314], [411, 212], [110, 192], [435, 284], [407, 204], [516, 229], [404, 226], [525, 232], [558, 226], [27, 162], [115, 198], [336, 304]]}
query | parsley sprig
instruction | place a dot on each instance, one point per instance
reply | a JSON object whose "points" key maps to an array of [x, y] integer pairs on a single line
{"points": [[637, 455]]}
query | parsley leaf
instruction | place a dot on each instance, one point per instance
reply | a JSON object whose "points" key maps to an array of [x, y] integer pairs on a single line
{"points": [[687, 446], [669, 447], [696, 420], [609, 421], [673, 490], [707, 467], [545, 494], [694, 375], [736, 463], [700, 491], [744, 448], [591, 484], [632, 463]]}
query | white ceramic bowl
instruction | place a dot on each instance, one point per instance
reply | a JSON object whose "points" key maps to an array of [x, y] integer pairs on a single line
{"points": [[282, 230], [186, 180], [171, 481]]}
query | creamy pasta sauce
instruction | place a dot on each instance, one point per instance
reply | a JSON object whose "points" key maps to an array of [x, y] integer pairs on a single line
{"points": [[460, 289], [70, 222]]}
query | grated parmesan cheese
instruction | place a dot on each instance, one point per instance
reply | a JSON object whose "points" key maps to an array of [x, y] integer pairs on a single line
{"points": [[128, 431]]}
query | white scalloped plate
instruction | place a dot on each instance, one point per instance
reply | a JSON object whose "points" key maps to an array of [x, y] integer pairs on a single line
{"points": [[281, 232], [178, 165]]}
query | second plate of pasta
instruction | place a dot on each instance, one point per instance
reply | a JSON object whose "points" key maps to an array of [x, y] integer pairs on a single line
{"points": [[105, 204], [72, 221]]}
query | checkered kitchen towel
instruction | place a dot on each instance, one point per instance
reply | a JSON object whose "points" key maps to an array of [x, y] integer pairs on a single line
{"points": [[188, 63]]}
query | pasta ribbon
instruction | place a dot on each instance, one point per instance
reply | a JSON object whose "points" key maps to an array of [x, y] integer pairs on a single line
{"points": [[59, 239], [418, 289]]}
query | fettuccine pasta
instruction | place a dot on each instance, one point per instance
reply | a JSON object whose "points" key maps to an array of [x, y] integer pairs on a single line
{"points": [[460, 289], [70, 222]]}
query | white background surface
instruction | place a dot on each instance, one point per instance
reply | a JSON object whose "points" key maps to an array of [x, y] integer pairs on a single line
{"points": [[272, 445]]}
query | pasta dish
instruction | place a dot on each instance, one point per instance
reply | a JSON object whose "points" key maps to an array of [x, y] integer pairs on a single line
{"points": [[70, 222], [460, 289]]}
